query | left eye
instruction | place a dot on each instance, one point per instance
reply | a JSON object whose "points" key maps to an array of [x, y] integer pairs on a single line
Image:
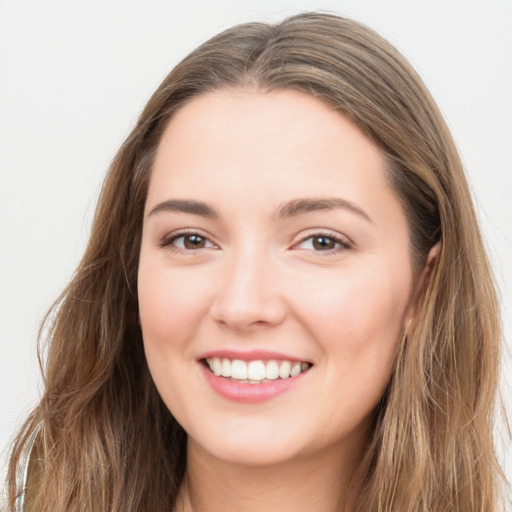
{"points": [[320, 243], [190, 242]]}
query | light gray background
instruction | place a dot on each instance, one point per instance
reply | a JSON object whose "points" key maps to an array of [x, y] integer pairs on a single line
{"points": [[74, 76]]}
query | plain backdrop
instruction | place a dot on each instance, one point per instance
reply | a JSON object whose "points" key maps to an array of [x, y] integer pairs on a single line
{"points": [[75, 75]]}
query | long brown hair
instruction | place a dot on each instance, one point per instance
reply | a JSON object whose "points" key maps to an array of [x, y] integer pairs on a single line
{"points": [[108, 442]]}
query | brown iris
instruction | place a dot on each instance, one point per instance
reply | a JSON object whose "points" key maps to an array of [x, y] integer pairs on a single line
{"points": [[322, 243], [194, 242]]}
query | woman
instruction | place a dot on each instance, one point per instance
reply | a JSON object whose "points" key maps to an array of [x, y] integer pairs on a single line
{"points": [[284, 302]]}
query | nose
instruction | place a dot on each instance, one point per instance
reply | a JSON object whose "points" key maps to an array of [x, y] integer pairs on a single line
{"points": [[249, 295]]}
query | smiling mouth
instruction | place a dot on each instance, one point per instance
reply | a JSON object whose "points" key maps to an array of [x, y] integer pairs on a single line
{"points": [[257, 371]]}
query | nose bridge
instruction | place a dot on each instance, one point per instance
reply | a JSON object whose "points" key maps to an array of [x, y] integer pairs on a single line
{"points": [[249, 291]]}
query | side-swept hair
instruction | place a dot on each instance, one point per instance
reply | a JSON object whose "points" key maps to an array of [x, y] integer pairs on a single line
{"points": [[108, 442]]}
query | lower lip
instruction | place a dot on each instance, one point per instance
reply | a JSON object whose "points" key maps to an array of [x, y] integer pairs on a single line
{"points": [[249, 393]]}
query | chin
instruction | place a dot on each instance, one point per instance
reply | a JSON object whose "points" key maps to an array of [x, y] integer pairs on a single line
{"points": [[257, 445], [249, 454]]}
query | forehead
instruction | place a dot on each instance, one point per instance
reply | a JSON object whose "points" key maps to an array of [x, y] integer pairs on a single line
{"points": [[253, 139]]}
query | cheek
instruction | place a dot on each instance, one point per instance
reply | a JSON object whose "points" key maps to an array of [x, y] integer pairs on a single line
{"points": [[358, 321], [170, 304], [170, 309]]}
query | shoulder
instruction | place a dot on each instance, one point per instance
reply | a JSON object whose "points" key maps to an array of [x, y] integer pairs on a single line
{"points": [[28, 469]]}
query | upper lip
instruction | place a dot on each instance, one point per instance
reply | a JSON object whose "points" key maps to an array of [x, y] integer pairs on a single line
{"points": [[251, 355]]}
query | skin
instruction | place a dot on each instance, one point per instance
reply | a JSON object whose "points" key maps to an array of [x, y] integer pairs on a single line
{"points": [[257, 281]]}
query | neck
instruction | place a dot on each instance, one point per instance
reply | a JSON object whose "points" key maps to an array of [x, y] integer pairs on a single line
{"points": [[319, 485]]}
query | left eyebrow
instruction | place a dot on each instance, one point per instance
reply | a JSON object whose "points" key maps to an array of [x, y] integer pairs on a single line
{"points": [[307, 205]]}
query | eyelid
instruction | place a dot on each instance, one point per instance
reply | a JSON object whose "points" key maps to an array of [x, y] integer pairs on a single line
{"points": [[344, 242], [167, 240]]}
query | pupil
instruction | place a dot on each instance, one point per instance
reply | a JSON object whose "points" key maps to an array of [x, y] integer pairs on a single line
{"points": [[194, 242], [323, 242]]}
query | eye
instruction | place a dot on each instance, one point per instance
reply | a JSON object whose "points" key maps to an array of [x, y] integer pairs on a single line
{"points": [[323, 242], [188, 241]]}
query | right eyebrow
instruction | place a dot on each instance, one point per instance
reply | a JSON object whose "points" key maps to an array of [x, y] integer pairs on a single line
{"points": [[184, 206]]}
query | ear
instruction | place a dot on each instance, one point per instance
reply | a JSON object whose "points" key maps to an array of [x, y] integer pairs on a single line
{"points": [[424, 279]]}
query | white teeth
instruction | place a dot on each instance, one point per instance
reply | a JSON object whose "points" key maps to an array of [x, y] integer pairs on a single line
{"points": [[295, 370], [284, 369], [216, 366], [272, 370], [239, 369], [226, 368], [255, 372]]}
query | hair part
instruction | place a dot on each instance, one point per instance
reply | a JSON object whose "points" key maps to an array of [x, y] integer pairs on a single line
{"points": [[110, 443]]}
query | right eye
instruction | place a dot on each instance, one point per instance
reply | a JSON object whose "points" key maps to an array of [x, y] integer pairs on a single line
{"points": [[188, 242]]}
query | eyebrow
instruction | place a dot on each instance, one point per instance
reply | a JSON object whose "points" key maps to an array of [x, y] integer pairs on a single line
{"points": [[307, 205], [289, 209], [185, 206]]}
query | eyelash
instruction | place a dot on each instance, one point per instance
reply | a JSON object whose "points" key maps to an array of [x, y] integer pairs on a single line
{"points": [[169, 241], [341, 244]]}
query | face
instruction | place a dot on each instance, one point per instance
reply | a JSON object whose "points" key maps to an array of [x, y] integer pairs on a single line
{"points": [[275, 276]]}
